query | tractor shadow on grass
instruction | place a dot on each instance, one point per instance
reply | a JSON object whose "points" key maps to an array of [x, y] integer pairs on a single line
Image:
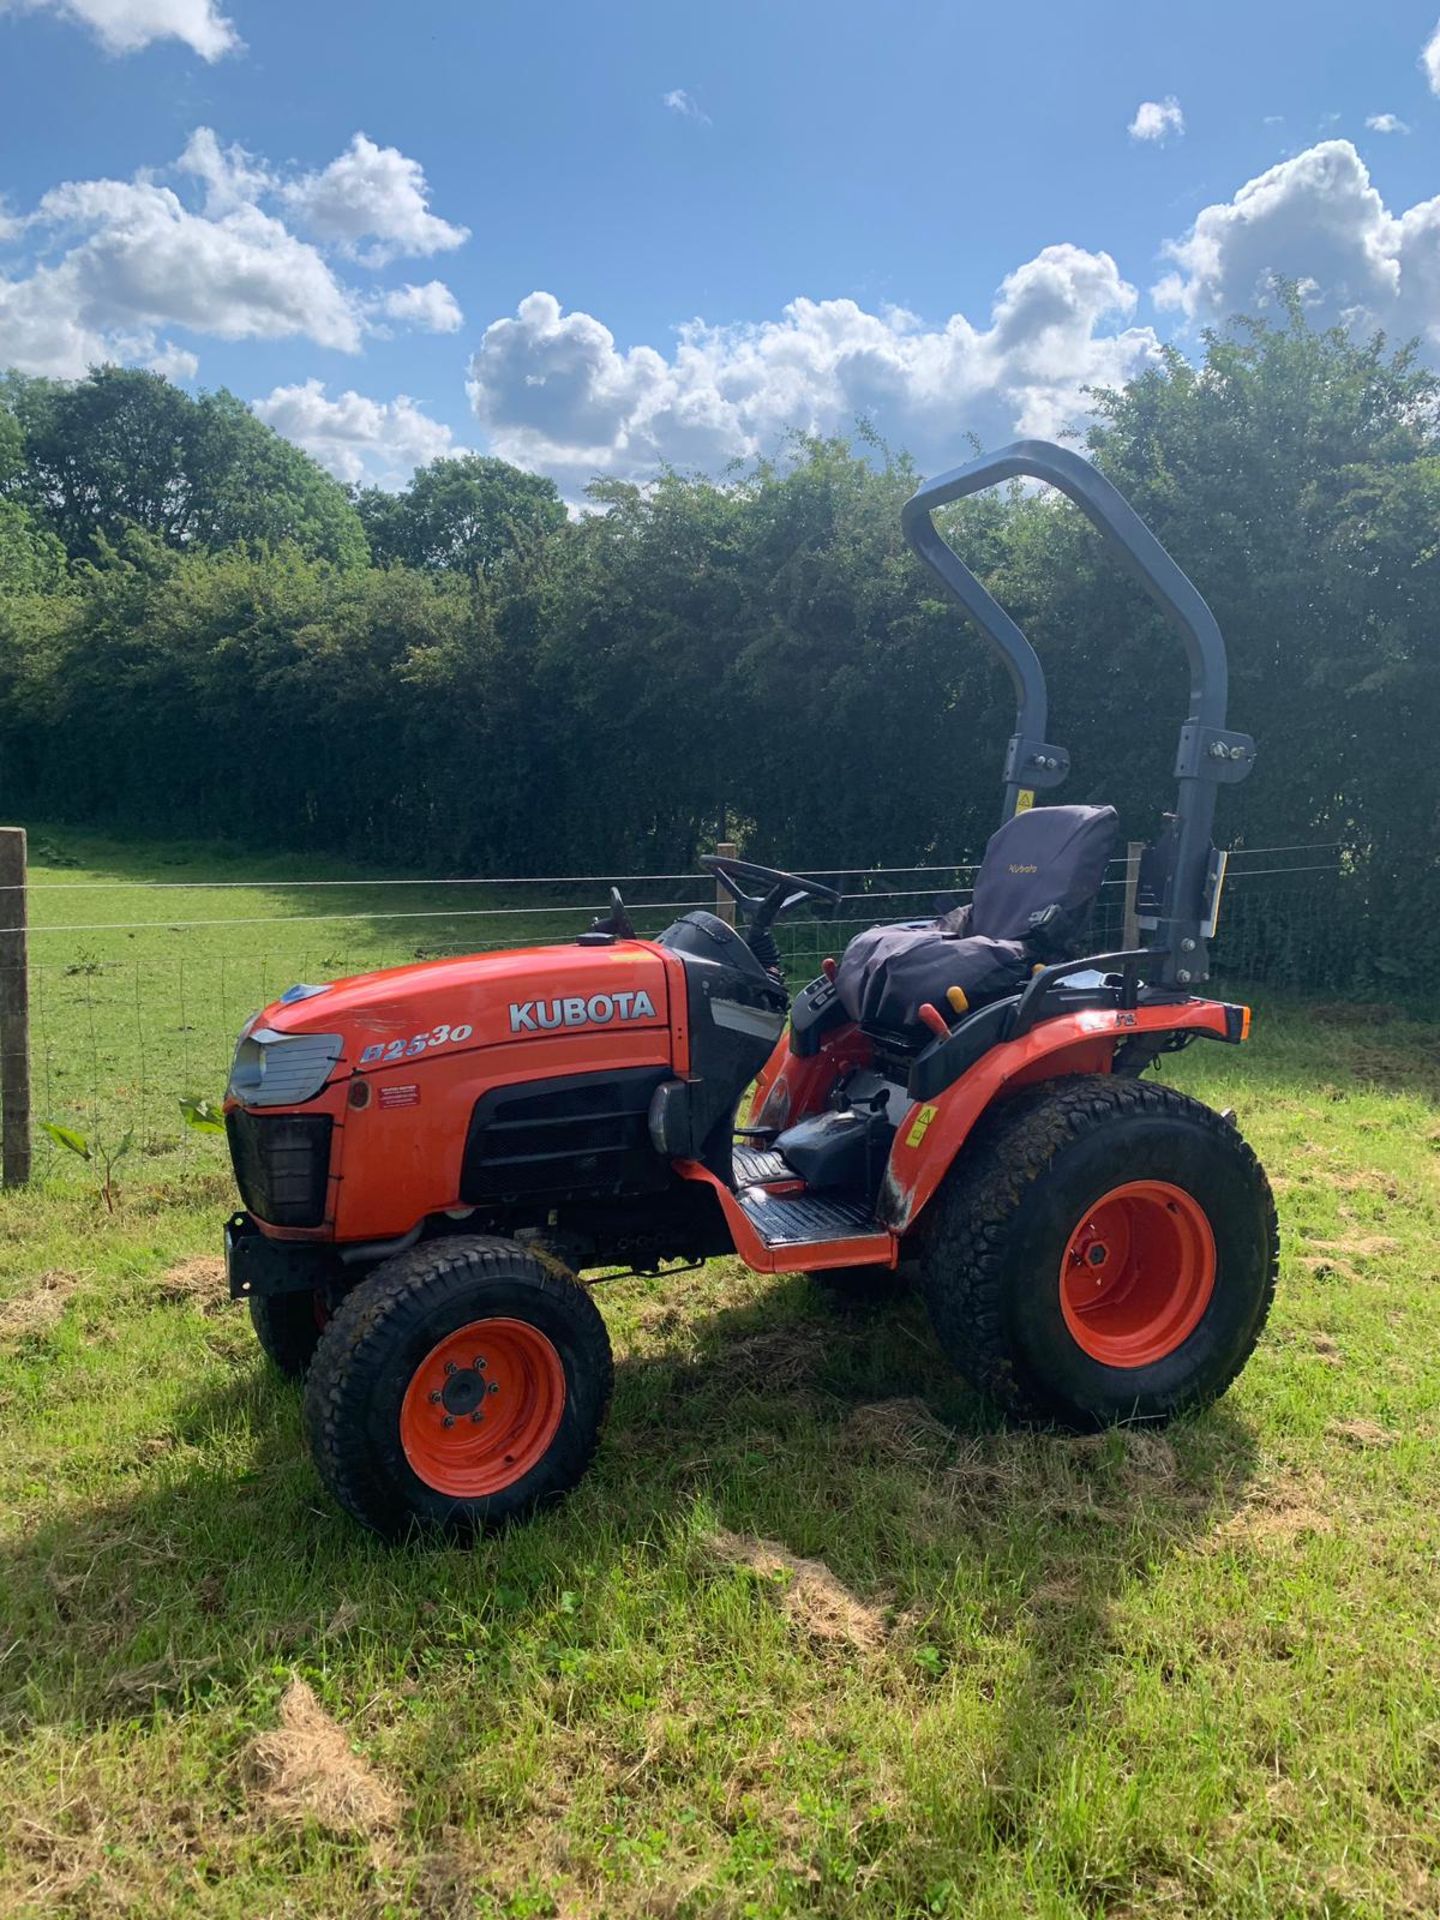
{"points": [[844, 1437]]}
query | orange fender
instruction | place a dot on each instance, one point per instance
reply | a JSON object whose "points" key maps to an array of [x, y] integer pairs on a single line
{"points": [[934, 1131]]}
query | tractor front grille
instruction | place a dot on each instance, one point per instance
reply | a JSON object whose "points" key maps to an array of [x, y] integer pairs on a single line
{"points": [[282, 1165]]}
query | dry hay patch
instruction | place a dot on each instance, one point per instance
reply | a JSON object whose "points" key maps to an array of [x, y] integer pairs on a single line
{"points": [[1363, 1434], [1364, 1246], [777, 1358], [1281, 1510], [1148, 1460], [199, 1282], [1365, 1180], [25, 1316], [808, 1593], [306, 1769], [1331, 1259], [1328, 1266], [902, 1429]]}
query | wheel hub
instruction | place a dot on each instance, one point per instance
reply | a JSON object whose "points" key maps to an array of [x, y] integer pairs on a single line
{"points": [[1137, 1273], [483, 1407], [463, 1391]]}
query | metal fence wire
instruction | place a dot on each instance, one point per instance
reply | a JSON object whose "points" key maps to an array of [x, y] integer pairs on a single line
{"points": [[137, 1003]]}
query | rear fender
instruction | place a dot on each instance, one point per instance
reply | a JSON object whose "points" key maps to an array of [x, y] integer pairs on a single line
{"points": [[933, 1131]]}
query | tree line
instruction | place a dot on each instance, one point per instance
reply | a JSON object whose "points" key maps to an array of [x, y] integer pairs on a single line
{"points": [[202, 633]]}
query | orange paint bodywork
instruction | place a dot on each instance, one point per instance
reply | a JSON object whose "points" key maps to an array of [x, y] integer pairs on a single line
{"points": [[396, 1160], [933, 1132]]}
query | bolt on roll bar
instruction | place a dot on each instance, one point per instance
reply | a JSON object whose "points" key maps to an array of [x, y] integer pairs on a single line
{"points": [[1208, 754]]}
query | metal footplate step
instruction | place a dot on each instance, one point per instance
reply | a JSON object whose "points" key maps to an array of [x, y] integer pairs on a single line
{"points": [[804, 1219]]}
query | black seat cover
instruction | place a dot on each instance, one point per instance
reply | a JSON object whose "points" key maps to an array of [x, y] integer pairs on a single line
{"points": [[1033, 896]]}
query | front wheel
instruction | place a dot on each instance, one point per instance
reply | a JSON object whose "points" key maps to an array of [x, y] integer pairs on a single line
{"points": [[1104, 1250], [459, 1386], [288, 1327]]}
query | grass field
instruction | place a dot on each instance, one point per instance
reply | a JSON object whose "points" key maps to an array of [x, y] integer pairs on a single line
{"points": [[816, 1636]]}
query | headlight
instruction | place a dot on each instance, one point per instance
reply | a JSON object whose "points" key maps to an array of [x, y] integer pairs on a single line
{"points": [[282, 1069]]}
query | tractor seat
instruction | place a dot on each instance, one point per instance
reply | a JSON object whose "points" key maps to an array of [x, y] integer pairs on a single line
{"points": [[1032, 902]]}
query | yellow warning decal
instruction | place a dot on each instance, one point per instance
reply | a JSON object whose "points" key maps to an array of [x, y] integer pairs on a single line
{"points": [[1025, 799], [918, 1126]]}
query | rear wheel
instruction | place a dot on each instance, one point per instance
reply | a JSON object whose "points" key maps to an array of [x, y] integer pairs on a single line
{"points": [[288, 1327], [459, 1386], [1104, 1250]]}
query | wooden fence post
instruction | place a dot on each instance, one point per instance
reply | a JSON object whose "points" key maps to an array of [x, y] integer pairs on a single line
{"points": [[724, 905], [1130, 938], [14, 1012]]}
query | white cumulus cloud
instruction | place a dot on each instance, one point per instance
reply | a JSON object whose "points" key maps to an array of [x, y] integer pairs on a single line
{"points": [[376, 194], [1157, 119], [137, 259], [125, 26], [231, 177], [432, 308], [102, 267], [1430, 59], [556, 393], [1386, 123], [359, 440], [1316, 219], [176, 363]]}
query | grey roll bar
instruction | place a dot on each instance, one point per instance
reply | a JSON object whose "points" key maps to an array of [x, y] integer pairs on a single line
{"points": [[1208, 754]]}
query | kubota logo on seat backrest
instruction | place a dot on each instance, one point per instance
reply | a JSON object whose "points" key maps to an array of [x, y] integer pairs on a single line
{"points": [[529, 1016]]}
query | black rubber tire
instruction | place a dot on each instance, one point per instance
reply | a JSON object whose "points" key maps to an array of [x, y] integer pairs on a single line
{"points": [[288, 1328], [383, 1330], [993, 1239]]}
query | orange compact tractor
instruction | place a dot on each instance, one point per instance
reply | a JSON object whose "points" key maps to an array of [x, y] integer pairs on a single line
{"points": [[430, 1155]]}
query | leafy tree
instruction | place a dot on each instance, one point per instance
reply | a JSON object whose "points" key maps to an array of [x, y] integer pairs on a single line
{"points": [[125, 448], [464, 514]]}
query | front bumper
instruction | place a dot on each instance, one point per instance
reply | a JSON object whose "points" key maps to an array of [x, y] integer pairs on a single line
{"points": [[256, 1264]]}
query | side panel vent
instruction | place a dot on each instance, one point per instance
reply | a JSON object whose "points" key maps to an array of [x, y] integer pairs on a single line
{"points": [[584, 1133]]}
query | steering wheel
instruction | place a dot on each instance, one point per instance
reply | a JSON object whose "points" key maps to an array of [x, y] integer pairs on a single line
{"points": [[781, 890], [761, 910]]}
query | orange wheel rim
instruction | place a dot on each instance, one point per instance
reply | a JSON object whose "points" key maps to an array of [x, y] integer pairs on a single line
{"points": [[1137, 1273], [482, 1408]]}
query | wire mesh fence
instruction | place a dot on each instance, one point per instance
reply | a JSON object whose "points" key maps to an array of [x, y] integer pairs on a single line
{"points": [[138, 988]]}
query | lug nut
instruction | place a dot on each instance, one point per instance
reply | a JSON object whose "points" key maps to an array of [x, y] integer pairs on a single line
{"points": [[434, 1396], [448, 1421], [450, 1366], [476, 1417], [494, 1387]]}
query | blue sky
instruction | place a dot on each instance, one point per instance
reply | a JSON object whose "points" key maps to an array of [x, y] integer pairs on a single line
{"points": [[398, 231]]}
